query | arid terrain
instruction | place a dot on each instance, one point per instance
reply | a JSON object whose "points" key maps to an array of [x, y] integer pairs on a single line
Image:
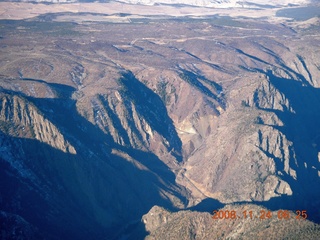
{"points": [[120, 121]]}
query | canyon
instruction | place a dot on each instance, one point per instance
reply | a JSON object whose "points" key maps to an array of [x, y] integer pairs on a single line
{"points": [[139, 126]]}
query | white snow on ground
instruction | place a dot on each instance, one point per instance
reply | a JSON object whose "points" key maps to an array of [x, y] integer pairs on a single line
{"points": [[218, 3]]}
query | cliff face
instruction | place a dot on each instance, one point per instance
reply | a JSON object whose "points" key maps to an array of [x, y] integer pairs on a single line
{"points": [[76, 167], [266, 145], [20, 118], [102, 123]]}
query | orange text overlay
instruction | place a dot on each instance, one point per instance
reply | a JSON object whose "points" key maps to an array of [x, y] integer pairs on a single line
{"points": [[263, 214]]}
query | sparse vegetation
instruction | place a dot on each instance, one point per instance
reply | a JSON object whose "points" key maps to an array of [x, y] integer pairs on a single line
{"points": [[222, 112], [245, 103]]}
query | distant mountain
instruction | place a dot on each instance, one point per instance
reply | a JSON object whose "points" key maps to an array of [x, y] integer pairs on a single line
{"points": [[220, 3], [198, 3]]}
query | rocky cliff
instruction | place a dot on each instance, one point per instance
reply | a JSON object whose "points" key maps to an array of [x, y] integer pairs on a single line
{"points": [[198, 225], [102, 121]]}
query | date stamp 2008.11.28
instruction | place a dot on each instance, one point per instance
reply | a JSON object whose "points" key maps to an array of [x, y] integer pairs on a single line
{"points": [[263, 214]]}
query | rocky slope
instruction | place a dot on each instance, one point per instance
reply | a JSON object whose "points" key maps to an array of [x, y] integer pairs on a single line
{"points": [[102, 121], [61, 161], [198, 225]]}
